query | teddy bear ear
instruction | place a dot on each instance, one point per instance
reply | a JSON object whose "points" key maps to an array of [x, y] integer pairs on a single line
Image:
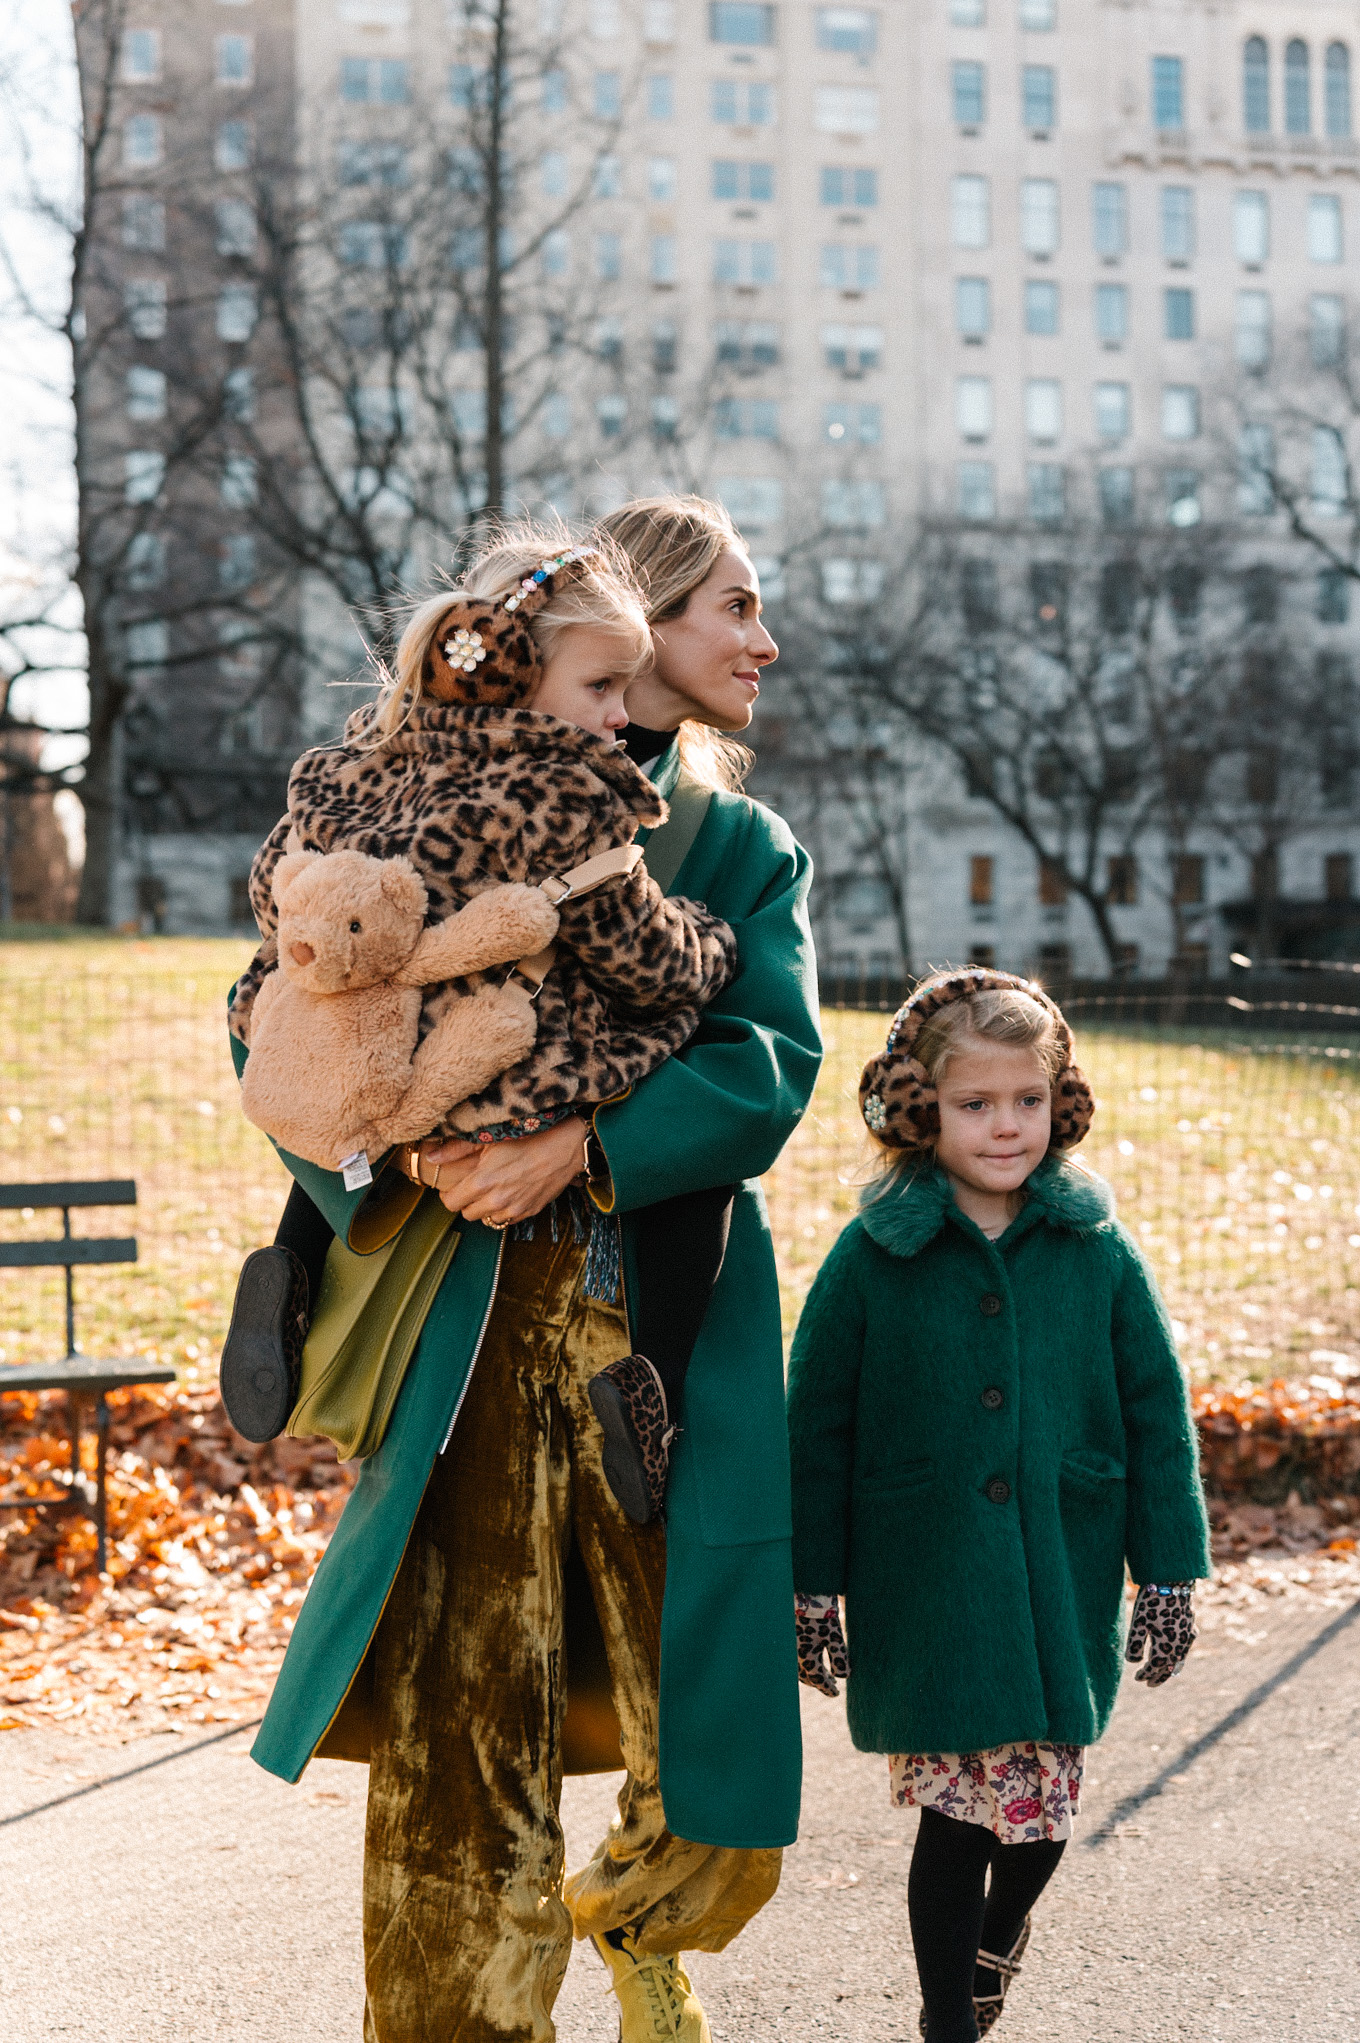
{"points": [[402, 885], [291, 867]]}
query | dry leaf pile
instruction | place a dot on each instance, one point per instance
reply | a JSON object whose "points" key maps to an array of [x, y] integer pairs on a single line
{"points": [[1295, 1434], [212, 1543]]}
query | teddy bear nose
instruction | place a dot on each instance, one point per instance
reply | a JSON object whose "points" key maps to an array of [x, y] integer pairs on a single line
{"points": [[302, 953]]}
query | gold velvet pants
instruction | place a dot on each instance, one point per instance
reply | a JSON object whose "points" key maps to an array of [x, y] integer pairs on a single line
{"points": [[467, 1924]]}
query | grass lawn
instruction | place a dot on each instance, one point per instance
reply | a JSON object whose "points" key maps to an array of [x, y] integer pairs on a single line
{"points": [[1235, 1168]]}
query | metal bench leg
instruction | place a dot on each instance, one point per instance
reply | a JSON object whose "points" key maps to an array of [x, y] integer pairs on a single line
{"points": [[101, 1515]]}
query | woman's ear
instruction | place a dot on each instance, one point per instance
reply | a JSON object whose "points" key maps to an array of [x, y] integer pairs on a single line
{"points": [[289, 868]]}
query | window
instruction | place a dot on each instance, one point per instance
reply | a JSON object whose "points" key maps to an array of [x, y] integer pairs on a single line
{"points": [[972, 307], [1121, 881], [239, 486], [467, 172], [851, 581], [470, 85], [385, 81], [237, 312], [555, 415], [238, 396], [554, 253], [1178, 315], [606, 20], [970, 95], [236, 563], [144, 562], [1180, 411], [849, 266], [977, 490], [852, 349], [664, 259], [143, 476], [845, 110], [1298, 110], [1168, 95], [1178, 223], [148, 642], [611, 415], [753, 501], [746, 344], [741, 103], [607, 178], [1182, 497], [144, 307], [1333, 596], [1039, 96], [1043, 408], [853, 423], [1255, 86], [981, 881], [740, 21], [1112, 314], [851, 29], [1116, 495], [1109, 220], [970, 212], [1112, 411], [141, 54], [609, 340], [1252, 329], [377, 245], [232, 146], [1330, 482], [849, 187], [973, 406], [1037, 15], [1338, 90], [1041, 308], [235, 219], [751, 182], [1261, 594], [660, 96], [665, 418], [849, 505], [1255, 463], [746, 418], [979, 599], [747, 263], [1324, 228], [1339, 876], [1326, 331], [1251, 227], [1052, 885], [658, 21], [235, 59], [968, 13], [143, 223], [608, 95], [1039, 215], [145, 393], [143, 142], [1187, 880], [661, 180], [608, 257]]}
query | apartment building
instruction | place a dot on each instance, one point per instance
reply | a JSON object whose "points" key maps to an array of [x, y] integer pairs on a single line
{"points": [[996, 265]]}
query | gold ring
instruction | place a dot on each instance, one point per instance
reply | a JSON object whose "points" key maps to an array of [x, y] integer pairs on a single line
{"points": [[497, 1226]]}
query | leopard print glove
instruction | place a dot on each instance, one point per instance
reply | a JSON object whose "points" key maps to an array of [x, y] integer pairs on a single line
{"points": [[818, 1622], [1164, 1622]]}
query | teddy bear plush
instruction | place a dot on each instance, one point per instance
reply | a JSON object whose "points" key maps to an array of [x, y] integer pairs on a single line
{"points": [[336, 1066]]}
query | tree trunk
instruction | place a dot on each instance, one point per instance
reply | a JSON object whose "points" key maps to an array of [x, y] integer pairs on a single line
{"points": [[493, 319]]}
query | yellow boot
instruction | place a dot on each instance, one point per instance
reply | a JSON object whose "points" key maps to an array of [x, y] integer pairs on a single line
{"points": [[656, 2000]]}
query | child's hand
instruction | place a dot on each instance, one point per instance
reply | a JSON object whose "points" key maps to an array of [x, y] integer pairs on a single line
{"points": [[818, 1621], [1164, 1622]]}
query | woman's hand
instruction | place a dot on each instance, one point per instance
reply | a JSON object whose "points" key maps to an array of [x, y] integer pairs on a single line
{"points": [[1164, 1624], [818, 1623], [501, 1182]]}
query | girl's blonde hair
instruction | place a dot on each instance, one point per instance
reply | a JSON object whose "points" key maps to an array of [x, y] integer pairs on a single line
{"points": [[673, 544], [601, 590]]}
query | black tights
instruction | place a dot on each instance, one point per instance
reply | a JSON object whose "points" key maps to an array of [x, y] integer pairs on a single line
{"points": [[953, 1911]]}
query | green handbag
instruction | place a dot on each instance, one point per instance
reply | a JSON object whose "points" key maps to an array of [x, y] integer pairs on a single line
{"points": [[364, 1332]]}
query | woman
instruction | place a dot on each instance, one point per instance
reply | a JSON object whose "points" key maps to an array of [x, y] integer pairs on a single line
{"points": [[485, 1617]]}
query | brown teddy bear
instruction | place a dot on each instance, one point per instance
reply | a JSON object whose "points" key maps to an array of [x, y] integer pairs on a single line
{"points": [[335, 1066]]}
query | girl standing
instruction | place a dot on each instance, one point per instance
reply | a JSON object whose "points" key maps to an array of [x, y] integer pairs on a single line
{"points": [[988, 1419]]}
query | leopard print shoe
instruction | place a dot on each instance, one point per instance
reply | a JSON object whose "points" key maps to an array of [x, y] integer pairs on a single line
{"points": [[629, 1400], [262, 1354], [987, 2007]]}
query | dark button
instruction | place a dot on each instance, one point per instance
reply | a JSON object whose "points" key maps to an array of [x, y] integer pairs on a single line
{"points": [[989, 1304], [993, 1398], [998, 1490]]}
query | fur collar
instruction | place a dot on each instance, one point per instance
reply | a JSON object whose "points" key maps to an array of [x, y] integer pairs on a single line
{"points": [[1062, 1191]]}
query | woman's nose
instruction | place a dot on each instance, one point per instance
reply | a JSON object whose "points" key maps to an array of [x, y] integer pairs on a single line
{"points": [[763, 647]]}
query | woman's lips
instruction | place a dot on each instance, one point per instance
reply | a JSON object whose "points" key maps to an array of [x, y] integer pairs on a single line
{"points": [[749, 680]]}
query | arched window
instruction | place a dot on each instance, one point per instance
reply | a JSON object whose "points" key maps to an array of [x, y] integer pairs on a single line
{"points": [[1256, 86], [1338, 89], [1298, 114]]}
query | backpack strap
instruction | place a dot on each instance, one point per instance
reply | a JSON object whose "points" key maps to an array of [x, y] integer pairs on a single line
{"points": [[560, 887]]}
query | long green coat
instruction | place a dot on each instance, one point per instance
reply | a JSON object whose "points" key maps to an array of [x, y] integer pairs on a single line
{"points": [[982, 1434], [720, 1111]]}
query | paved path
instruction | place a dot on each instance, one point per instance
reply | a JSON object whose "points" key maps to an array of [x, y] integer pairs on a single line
{"points": [[1211, 1895]]}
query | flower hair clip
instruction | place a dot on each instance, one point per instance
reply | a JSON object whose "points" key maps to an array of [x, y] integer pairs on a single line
{"points": [[541, 574], [464, 650]]}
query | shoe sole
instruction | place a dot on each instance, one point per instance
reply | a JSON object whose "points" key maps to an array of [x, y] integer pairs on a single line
{"points": [[256, 1387], [623, 1469]]}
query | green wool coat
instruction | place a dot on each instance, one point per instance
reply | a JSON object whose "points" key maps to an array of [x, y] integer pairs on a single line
{"points": [[721, 1110], [983, 1433]]}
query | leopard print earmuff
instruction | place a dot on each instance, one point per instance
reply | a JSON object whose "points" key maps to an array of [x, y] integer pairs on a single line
{"points": [[896, 1097], [484, 650]]}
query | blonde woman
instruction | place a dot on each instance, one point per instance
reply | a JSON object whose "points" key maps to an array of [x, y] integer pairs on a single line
{"points": [[486, 1617]]}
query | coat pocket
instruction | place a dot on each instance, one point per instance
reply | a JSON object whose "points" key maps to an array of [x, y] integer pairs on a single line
{"points": [[1091, 1505], [1084, 1468], [886, 1482]]}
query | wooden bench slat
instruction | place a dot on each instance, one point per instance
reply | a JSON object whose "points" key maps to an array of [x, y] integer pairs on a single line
{"points": [[81, 1372], [71, 1192], [34, 1255]]}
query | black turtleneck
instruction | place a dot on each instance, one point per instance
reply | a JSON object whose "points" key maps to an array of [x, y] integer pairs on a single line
{"points": [[642, 745]]}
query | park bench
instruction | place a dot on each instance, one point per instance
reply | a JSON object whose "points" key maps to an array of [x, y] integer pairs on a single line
{"points": [[77, 1375]]}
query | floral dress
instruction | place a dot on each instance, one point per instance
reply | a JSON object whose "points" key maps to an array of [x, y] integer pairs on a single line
{"points": [[1022, 1793]]}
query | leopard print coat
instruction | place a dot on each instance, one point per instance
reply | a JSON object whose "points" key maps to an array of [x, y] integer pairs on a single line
{"points": [[476, 794]]}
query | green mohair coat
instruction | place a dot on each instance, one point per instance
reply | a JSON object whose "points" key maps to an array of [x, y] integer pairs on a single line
{"points": [[983, 1433], [721, 1110]]}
